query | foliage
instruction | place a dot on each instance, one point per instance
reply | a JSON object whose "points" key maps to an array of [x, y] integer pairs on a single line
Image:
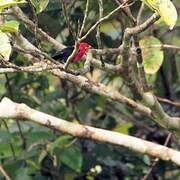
{"points": [[10, 26], [166, 9], [8, 3], [36, 152], [5, 47], [152, 57]]}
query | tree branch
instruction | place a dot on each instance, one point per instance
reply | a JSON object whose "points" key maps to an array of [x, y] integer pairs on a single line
{"points": [[10, 109], [6, 176], [31, 26], [151, 108], [104, 19]]}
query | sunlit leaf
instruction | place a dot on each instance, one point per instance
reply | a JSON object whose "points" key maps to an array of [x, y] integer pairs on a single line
{"points": [[10, 26], [42, 155], [5, 46], [8, 3], [152, 57], [168, 13], [166, 9]]}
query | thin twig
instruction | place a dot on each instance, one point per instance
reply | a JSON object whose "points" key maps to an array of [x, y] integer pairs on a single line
{"points": [[163, 46], [10, 143], [70, 58], [105, 18], [72, 2], [9, 88], [36, 68], [67, 19], [35, 20], [85, 19], [157, 159], [5, 174], [118, 50], [140, 13], [168, 101], [126, 10], [98, 35]]}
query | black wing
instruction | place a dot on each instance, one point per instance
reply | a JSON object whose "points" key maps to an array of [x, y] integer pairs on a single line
{"points": [[63, 55]]}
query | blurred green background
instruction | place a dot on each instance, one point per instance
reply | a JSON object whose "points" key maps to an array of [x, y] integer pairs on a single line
{"points": [[40, 153]]}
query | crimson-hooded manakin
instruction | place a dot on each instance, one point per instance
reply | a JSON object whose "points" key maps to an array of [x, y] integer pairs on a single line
{"points": [[63, 54]]}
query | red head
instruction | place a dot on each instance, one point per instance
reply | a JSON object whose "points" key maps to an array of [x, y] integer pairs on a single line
{"points": [[83, 48]]}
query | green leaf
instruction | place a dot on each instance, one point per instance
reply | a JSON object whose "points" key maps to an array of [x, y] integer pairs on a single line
{"points": [[166, 10], [40, 5], [152, 57], [8, 3], [10, 26], [168, 13], [123, 128], [6, 151], [72, 158], [5, 46]]}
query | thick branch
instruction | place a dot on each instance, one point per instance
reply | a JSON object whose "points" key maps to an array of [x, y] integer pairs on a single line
{"points": [[158, 114], [9, 109]]}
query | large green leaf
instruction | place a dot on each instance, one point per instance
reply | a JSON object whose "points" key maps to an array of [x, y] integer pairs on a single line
{"points": [[10, 26], [5, 46], [8, 3], [152, 57], [72, 158], [166, 9]]}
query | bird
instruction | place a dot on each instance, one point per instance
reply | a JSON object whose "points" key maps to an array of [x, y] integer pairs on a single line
{"points": [[63, 54]]}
